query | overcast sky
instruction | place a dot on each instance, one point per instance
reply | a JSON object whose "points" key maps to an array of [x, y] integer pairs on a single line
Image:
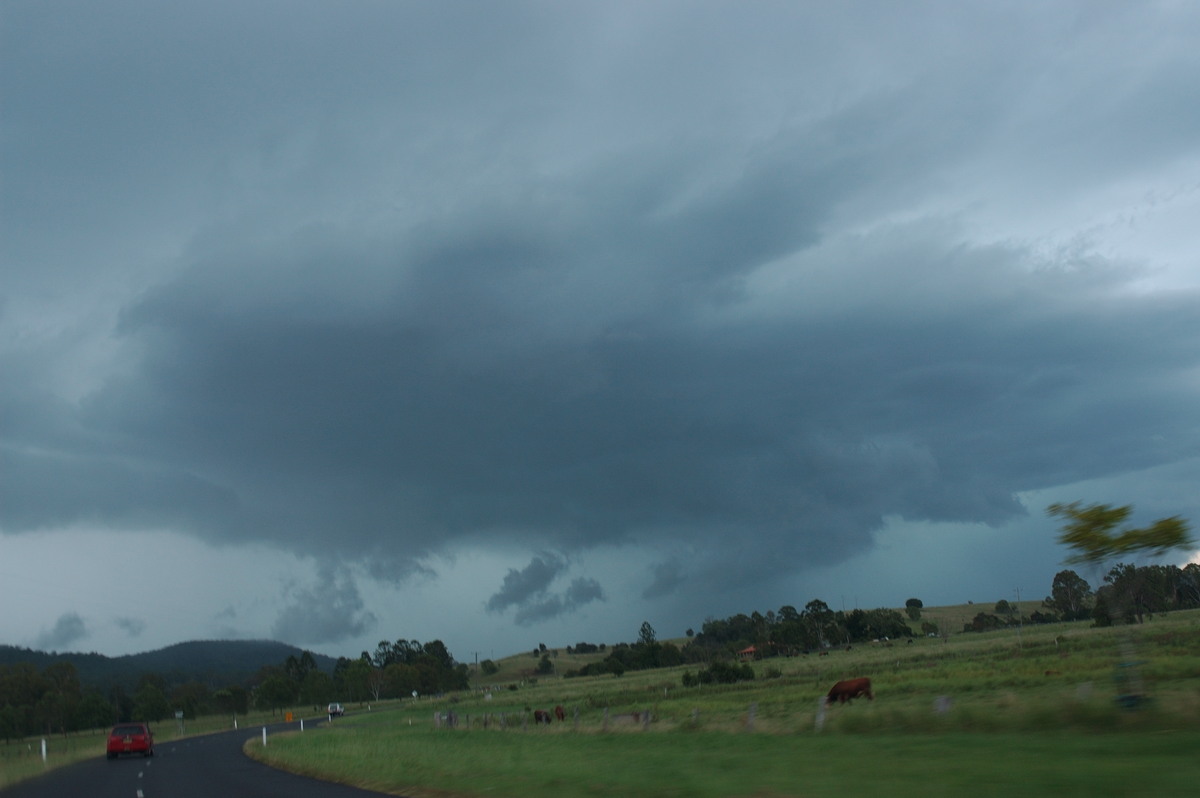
{"points": [[514, 323]]}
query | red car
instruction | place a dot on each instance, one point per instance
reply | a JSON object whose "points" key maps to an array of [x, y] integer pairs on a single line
{"points": [[130, 738]]}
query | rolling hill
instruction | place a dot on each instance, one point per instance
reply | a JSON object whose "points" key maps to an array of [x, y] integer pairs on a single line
{"points": [[217, 663]]}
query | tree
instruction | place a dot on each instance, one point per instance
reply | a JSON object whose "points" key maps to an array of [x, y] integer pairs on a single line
{"points": [[149, 703], [1089, 531], [192, 697], [489, 667], [93, 712], [912, 608], [232, 700], [1070, 596], [646, 635], [351, 680], [276, 692], [316, 689], [401, 679]]}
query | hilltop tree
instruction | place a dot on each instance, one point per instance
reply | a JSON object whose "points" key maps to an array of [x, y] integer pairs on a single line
{"points": [[646, 635], [1070, 596]]}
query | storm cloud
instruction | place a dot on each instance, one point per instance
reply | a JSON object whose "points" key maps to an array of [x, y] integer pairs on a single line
{"points": [[727, 289]]}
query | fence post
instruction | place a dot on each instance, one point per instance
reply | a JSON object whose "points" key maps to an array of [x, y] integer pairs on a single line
{"points": [[301, 724], [264, 736], [819, 723], [43, 749]]}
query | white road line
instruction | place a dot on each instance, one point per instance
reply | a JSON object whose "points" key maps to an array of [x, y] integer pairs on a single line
{"points": [[139, 794]]}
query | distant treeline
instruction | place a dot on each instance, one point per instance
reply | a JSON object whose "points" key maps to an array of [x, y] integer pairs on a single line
{"points": [[1130, 594], [786, 632], [53, 698]]}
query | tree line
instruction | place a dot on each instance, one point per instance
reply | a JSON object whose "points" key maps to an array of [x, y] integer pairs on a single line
{"points": [[54, 700]]}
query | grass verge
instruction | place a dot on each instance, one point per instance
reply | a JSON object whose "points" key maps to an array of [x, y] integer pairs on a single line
{"points": [[426, 763]]}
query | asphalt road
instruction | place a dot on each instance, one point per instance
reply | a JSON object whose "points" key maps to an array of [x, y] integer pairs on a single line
{"points": [[211, 766]]}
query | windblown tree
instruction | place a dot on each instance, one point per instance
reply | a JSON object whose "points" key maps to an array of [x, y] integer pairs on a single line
{"points": [[1091, 532]]}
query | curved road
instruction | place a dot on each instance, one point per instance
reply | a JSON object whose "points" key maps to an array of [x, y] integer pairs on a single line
{"points": [[211, 766]]}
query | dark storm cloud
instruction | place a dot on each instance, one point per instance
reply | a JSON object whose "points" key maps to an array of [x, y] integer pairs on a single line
{"points": [[390, 301], [543, 606], [666, 578], [528, 590], [533, 580], [68, 630], [328, 611]]}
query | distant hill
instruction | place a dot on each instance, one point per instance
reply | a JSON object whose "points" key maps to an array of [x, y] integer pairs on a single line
{"points": [[217, 663]]}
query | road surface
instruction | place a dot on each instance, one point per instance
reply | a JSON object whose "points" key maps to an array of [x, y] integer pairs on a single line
{"points": [[211, 766]]}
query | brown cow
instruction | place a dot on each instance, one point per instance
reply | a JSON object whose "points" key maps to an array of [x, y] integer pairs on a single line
{"points": [[849, 689], [541, 716], [560, 713]]}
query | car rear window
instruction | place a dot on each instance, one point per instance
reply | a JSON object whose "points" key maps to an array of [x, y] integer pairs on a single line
{"points": [[127, 731]]}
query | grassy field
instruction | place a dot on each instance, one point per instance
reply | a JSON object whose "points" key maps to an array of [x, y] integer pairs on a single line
{"points": [[422, 763], [1001, 713]]}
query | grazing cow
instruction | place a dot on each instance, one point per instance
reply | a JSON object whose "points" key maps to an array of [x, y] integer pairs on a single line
{"points": [[849, 689], [560, 713], [541, 716]]}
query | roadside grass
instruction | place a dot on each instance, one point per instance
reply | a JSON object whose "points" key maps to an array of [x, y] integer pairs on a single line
{"points": [[998, 713], [423, 763]]}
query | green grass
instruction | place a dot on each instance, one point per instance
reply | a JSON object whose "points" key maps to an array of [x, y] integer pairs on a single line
{"points": [[537, 763], [1033, 713]]}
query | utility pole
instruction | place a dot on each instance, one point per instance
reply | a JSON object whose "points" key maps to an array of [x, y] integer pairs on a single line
{"points": [[1019, 622]]}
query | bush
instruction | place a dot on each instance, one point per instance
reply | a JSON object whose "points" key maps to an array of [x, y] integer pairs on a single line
{"points": [[721, 673]]}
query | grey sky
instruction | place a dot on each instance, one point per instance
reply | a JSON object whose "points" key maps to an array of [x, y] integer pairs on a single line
{"points": [[340, 322]]}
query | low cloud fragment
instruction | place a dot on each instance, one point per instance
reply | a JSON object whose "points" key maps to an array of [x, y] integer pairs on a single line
{"points": [[520, 587], [666, 577], [67, 630], [529, 591], [328, 611], [131, 626]]}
